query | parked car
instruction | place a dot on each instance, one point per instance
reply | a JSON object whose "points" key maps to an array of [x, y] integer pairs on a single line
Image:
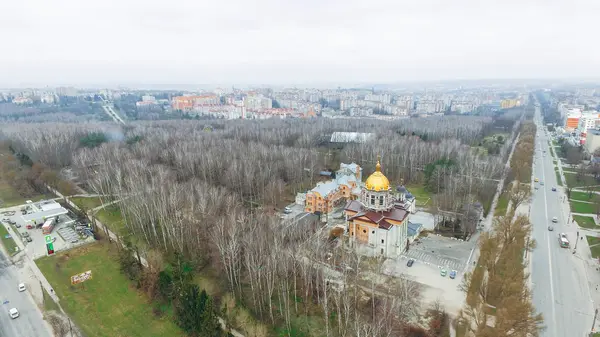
{"points": [[22, 287], [443, 272], [410, 262], [555, 219], [553, 189], [287, 210], [28, 239], [550, 228], [453, 274]]}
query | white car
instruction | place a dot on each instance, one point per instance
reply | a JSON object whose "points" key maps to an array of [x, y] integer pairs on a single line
{"points": [[22, 287], [555, 219], [13, 313]]}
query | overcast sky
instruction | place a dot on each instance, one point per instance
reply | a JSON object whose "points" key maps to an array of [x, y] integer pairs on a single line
{"points": [[59, 42]]}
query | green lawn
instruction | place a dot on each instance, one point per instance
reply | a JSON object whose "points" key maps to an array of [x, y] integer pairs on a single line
{"points": [[87, 203], [107, 305], [502, 205], [49, 303], [558, 178], [584, 181], [592, 240], [583, 196], [418, 191], [582, 207], [111, 217], [585, 221], [9, 243]]}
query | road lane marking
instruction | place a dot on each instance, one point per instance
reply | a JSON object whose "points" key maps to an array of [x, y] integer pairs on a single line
{"points": [[549, 253]]}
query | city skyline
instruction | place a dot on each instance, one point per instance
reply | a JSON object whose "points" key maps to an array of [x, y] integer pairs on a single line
{"points": [[109, 43]]}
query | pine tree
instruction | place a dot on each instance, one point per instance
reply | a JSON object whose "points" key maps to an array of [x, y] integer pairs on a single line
{"points": [[210, 322], [190, 309]]}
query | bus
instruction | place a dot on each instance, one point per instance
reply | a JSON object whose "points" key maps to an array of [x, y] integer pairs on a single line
{"points": [[563, 241]]}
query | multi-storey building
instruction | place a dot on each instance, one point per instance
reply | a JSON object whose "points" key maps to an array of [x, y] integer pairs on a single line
{"points": [[326, 195], [186, 103]]}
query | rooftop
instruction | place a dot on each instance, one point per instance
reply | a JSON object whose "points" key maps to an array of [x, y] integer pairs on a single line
{"points": [[351, 137], [44, 214]]}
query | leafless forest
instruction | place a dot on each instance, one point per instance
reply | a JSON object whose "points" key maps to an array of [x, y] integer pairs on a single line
{"points": [[210, 193]]}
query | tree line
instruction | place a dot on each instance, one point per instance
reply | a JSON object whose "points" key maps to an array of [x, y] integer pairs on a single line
{"points": [[208, 194]]}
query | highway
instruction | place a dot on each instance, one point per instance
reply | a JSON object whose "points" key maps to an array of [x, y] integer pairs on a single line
{"points": [[30, 322], [560, 289]]}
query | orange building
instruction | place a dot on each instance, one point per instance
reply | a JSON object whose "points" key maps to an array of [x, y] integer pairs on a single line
{"points": [[186, 103], [572, 122], [327, 195]]}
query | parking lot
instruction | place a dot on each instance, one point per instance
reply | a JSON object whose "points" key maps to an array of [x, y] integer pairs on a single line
{"points": [[64, 234], [432, 254]]}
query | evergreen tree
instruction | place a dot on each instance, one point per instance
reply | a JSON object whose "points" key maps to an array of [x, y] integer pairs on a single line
{"points": [[190, 309], [210, 322]]}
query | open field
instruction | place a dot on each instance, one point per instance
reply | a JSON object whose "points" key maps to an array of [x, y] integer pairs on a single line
{"points": [[585, 221], [86, 203], [107, 305], [111, 217]]}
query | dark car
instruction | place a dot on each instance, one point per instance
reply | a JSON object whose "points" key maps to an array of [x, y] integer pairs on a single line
{"points": [[29, 239], [410, 262], [553, 189]]}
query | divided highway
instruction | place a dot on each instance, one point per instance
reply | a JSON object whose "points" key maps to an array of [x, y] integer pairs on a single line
{"points": [[560, 288]]}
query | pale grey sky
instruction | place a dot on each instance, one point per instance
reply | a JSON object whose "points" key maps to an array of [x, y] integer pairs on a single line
{"points": [[302, 41]]}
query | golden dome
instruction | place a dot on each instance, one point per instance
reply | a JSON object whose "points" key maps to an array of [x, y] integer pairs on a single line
{"points": [[377, 181]]}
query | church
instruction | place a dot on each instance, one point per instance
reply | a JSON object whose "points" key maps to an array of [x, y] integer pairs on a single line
{"points": [[377, 223]]}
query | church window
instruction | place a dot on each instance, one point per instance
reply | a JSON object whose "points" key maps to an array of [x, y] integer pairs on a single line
{"points": [[372, 200], [381, 200], [364, 230], [381, 241], [373, 232]]}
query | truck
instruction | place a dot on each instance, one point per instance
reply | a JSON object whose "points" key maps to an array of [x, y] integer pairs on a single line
{"points": [[48, 226]]}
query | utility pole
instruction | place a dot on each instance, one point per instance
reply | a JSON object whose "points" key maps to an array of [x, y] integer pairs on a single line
{"points": [[594, 321], [576, 240]]}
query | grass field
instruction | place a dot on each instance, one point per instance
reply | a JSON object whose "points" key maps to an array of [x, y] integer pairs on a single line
{"points": [[86, 203], [107, 305], [585, 221], [595, 249], [558, 179], [585, 181], [111, 217], [583, 196], [418, 191], [502, 205], [9, 243], [49, 303], [582, 207]]}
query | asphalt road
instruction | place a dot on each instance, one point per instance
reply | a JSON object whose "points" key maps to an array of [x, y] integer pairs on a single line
{"points": [[30, 322], [560, 288]]}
